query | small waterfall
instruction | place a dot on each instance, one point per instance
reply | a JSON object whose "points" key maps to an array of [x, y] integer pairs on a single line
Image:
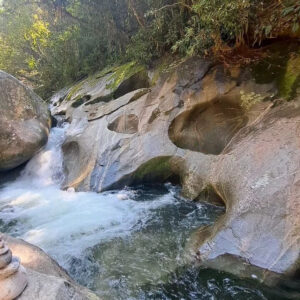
{"points": [[46, 167], [64, 223]]}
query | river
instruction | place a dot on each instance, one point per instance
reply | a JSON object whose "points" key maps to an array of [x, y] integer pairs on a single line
{"points": [[126, 244]]}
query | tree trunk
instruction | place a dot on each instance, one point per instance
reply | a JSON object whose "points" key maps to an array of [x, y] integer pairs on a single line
{"points": [[139, 18]]}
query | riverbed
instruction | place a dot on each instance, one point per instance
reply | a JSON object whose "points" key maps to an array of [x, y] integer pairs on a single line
{"points": [[133, 243]]}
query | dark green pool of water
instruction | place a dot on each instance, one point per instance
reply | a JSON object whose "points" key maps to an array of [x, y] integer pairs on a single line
{"points": [[153, 261]]}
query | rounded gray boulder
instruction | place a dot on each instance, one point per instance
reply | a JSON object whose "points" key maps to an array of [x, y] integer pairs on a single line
{"points": [[24, 122]]}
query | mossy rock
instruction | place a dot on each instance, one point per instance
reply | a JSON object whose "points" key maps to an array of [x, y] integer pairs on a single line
{"points": [[282, 65], [74, 90], [291, 79], [155, 170], [123, 79], [124, 72], [134, 82]]}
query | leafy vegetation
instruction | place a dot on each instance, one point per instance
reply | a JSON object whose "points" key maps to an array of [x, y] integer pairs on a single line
{"points": [[250, 99], [51, 43], [282, 65]]}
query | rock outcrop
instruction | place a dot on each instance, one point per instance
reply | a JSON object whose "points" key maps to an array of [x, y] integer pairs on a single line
{"points": [[24, 122], [258, 178], [13, 277], [213, 129], [100, 88], [46, 280]]}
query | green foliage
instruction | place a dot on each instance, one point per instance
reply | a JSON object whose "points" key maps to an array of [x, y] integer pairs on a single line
{"points": [[214, 22], [291, 77], [282, 63], [51, 43], [164, 28], [216, 25]]}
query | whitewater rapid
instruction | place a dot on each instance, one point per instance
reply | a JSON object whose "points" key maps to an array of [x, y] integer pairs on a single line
{"points": [[127, 244], [62, 223]]}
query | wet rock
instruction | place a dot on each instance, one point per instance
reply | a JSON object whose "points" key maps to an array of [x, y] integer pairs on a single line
{"points": [[199, 131], [24, 122]]}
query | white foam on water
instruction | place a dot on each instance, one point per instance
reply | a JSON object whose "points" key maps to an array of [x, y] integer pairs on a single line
{"points": [[65, 223]]}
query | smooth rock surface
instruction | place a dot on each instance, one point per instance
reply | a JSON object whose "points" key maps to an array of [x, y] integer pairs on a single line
{"points": [[13, 277], [193, 128], [14, 285], [98, 158], [46, 279], [45, 287], [259, 179], [24, 122]]}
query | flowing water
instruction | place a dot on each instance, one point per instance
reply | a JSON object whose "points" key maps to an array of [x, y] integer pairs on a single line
{"points": [[129, 244]]}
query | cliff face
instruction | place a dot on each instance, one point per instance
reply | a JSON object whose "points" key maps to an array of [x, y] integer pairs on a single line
{"points": [[213, 129]]}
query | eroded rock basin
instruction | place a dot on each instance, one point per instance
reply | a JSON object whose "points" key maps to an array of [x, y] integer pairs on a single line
{"points": [[127, 244], [207, 128]]}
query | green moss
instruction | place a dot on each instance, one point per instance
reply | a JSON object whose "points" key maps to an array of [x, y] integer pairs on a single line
{"points": [[105, 71], [290, 80], [154, 170], [118, 75], [74, 90], [94, 79], [124, 72], [282, 66]]}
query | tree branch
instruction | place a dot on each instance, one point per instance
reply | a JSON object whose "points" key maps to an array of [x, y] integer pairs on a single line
{"points": [[173, 5], [139, 19]]}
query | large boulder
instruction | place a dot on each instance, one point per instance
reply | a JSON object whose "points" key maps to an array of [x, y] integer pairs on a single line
{"points": [[24, 122], [258, 178], [100, 88], [216, 130], [99, 150]]}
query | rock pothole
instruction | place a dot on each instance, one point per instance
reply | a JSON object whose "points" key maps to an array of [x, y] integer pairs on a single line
{"points": [[80, 100], [208, 128], [135, 82], [127, 124]]}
